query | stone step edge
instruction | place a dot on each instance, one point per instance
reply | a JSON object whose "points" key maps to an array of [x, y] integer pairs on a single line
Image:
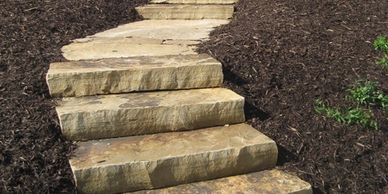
{"points": [[133, 74], [263, 182], [154, 161], [206, 2]]}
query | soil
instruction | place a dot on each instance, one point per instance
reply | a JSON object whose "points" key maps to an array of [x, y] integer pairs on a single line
{"points": [[282, 55], [33, 154]]}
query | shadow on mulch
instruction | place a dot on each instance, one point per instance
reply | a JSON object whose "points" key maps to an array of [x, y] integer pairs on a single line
{"points": [[33, 154], [282, 55]]}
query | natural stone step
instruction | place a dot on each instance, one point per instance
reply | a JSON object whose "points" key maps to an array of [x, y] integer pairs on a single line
{"points": [[195, 1], [95, 117], [186, 11], [167, 159], [164, 29], [100, 48], [264, 182], [107, 76]]}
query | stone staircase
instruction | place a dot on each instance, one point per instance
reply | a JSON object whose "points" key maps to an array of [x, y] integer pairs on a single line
{"points": [[150, 114]]}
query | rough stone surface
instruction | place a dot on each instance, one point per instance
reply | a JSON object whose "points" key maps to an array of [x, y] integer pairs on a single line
{"points": [[186, 11], [264, 182], [100, 48], [166, 159], [108, 76], [95, 117], [164, 29], [195, 1]]}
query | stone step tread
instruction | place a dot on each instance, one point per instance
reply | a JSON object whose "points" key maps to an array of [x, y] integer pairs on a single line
{"points": [[195, 1], [185, 11], [164, 29], [121, 47], [106, 116], [167, 159], [122, 75], [263, 182]]}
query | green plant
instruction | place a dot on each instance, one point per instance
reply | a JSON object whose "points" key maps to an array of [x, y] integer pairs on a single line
{"points": [[381, 44], [367, 93], [349, 116]]}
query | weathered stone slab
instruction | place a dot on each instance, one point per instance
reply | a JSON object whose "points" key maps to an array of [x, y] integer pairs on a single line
{"points": [[185, 11], [108, 116], [166, 159], [108, 76], [195, 1], [164, 29], [100, 48], [264, 182]]}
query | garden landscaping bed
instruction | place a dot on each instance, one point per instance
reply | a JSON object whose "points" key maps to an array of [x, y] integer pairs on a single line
{"points": [[280, 55]]}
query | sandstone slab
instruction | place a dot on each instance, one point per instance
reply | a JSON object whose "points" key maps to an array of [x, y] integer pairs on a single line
{"points": [[185, 11], [166, 159], [195, 1], [108, 76], [107, 116], [264, 182], [100, 48], [164, 29]]}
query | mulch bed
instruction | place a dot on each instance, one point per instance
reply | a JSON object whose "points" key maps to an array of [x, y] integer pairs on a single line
{"points": [[33, 155], [282, 55]]}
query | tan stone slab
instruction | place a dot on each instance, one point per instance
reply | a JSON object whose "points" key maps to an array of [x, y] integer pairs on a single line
{"points": [[107, 116], [185, 11], [100, 48], [164, 29], [108, 76], [166, 159], [264, 182], [195, 1]]}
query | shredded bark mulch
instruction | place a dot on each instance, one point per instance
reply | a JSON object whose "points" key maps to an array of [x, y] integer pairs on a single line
{"points": [[282, 55], [33, 155]]}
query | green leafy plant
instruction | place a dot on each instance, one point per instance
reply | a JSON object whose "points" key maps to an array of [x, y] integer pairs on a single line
{"points": [[367, 93], [381, 44], [349, 116]]}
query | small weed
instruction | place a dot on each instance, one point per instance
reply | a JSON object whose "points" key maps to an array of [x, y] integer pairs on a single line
{"points": [[381, 44], [349, 116], [367, 93]]}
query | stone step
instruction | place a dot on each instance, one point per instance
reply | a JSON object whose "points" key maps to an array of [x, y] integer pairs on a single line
{"points": [[102, 48], [163, 29], [167, 159], [195, 1], [264, 182], [107, 116], [108, 76], [185, 11]]}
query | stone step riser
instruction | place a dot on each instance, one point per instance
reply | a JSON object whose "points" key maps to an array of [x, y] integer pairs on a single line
{"points": [[265, 182], [110, 76], [160, 160], [185, 12], [147, 113]]}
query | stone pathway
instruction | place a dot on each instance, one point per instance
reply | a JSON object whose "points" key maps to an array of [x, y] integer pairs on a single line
{"points": [[150, 112]]}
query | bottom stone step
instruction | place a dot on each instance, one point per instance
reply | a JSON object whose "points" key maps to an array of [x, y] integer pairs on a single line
{"points": [[168, 159], [265, 182]]}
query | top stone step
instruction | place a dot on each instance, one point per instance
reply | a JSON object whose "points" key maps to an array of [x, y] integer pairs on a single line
{"points": [[185, 11], [195, 1]]}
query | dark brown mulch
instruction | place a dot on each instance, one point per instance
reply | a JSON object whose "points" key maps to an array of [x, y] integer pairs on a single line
{"points": [[282, 55], [33, 155]]}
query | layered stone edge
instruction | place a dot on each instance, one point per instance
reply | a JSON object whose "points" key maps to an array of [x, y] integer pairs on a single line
{"points": [[139, 175], [144, 77]]}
